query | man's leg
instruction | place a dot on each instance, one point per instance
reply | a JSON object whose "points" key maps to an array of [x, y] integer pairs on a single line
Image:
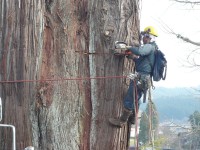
{"points": [[131, 118], [128, 108], [129, 98]]}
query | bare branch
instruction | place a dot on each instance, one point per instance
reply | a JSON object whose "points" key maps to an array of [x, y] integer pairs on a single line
{"points": [[190, 62], [187, 40], [169, 30], [188, 2]]}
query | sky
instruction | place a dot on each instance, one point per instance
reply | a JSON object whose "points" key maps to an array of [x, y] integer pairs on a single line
{"points": [[184, 20]]}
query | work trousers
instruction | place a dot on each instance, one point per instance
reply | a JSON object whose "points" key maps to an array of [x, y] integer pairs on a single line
{"points": [[138, 86]]}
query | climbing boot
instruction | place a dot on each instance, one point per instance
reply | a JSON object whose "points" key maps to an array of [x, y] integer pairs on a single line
{"points": [[122, 120]]}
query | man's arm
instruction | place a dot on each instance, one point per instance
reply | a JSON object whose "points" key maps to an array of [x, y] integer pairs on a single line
{"points": [[142, 50]]}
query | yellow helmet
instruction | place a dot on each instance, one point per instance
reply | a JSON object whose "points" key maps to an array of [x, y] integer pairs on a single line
{"points": [[151, 30]]}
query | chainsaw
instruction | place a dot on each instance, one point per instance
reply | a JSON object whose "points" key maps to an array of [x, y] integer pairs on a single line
{"points": [[121, 49]]}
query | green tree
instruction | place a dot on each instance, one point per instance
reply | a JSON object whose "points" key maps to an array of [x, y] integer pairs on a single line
{"points": [[143, 128], [195, 120], [195, 136], [149, 124]]}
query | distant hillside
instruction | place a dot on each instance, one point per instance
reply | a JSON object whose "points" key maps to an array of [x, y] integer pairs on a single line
{"points": [[175, 104]]}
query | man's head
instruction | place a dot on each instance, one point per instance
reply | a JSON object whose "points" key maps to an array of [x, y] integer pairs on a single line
{"points": [[149, 34], [146, 39]]}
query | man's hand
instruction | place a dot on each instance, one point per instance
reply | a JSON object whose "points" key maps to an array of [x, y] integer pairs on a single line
{"points": [[128, 52], [132, 76]]}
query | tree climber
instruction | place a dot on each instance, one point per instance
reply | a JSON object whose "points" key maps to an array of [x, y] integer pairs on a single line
{"points": [[142, 77]]}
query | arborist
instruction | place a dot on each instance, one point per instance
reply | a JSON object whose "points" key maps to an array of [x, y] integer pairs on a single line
{"points": [[141, 80]]}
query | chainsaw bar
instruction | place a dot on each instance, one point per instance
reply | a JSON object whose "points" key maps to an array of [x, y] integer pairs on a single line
{"points": [[119, 52]]}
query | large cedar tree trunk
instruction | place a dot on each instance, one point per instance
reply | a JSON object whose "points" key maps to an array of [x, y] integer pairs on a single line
{"points": [[43, 43]]}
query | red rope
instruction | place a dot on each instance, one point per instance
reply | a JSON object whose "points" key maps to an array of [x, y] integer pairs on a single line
{"points": [[136, 115], [89, 53], [62, 79]]}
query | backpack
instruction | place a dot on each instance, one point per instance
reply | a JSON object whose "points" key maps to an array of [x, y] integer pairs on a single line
{"points": [[159, 69]]}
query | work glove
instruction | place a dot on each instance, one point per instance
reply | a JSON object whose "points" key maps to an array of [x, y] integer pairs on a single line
{"points": [[132, 76], [128, 52]]}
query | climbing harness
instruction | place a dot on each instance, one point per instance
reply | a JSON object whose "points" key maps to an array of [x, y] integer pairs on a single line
{"points": [[143, 82]]}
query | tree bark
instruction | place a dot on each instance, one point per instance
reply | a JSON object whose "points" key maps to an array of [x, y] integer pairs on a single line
{"points": [[48, 51]]}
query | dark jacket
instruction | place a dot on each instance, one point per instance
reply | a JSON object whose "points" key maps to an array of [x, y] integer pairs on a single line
{"points": [[146, 58]]}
